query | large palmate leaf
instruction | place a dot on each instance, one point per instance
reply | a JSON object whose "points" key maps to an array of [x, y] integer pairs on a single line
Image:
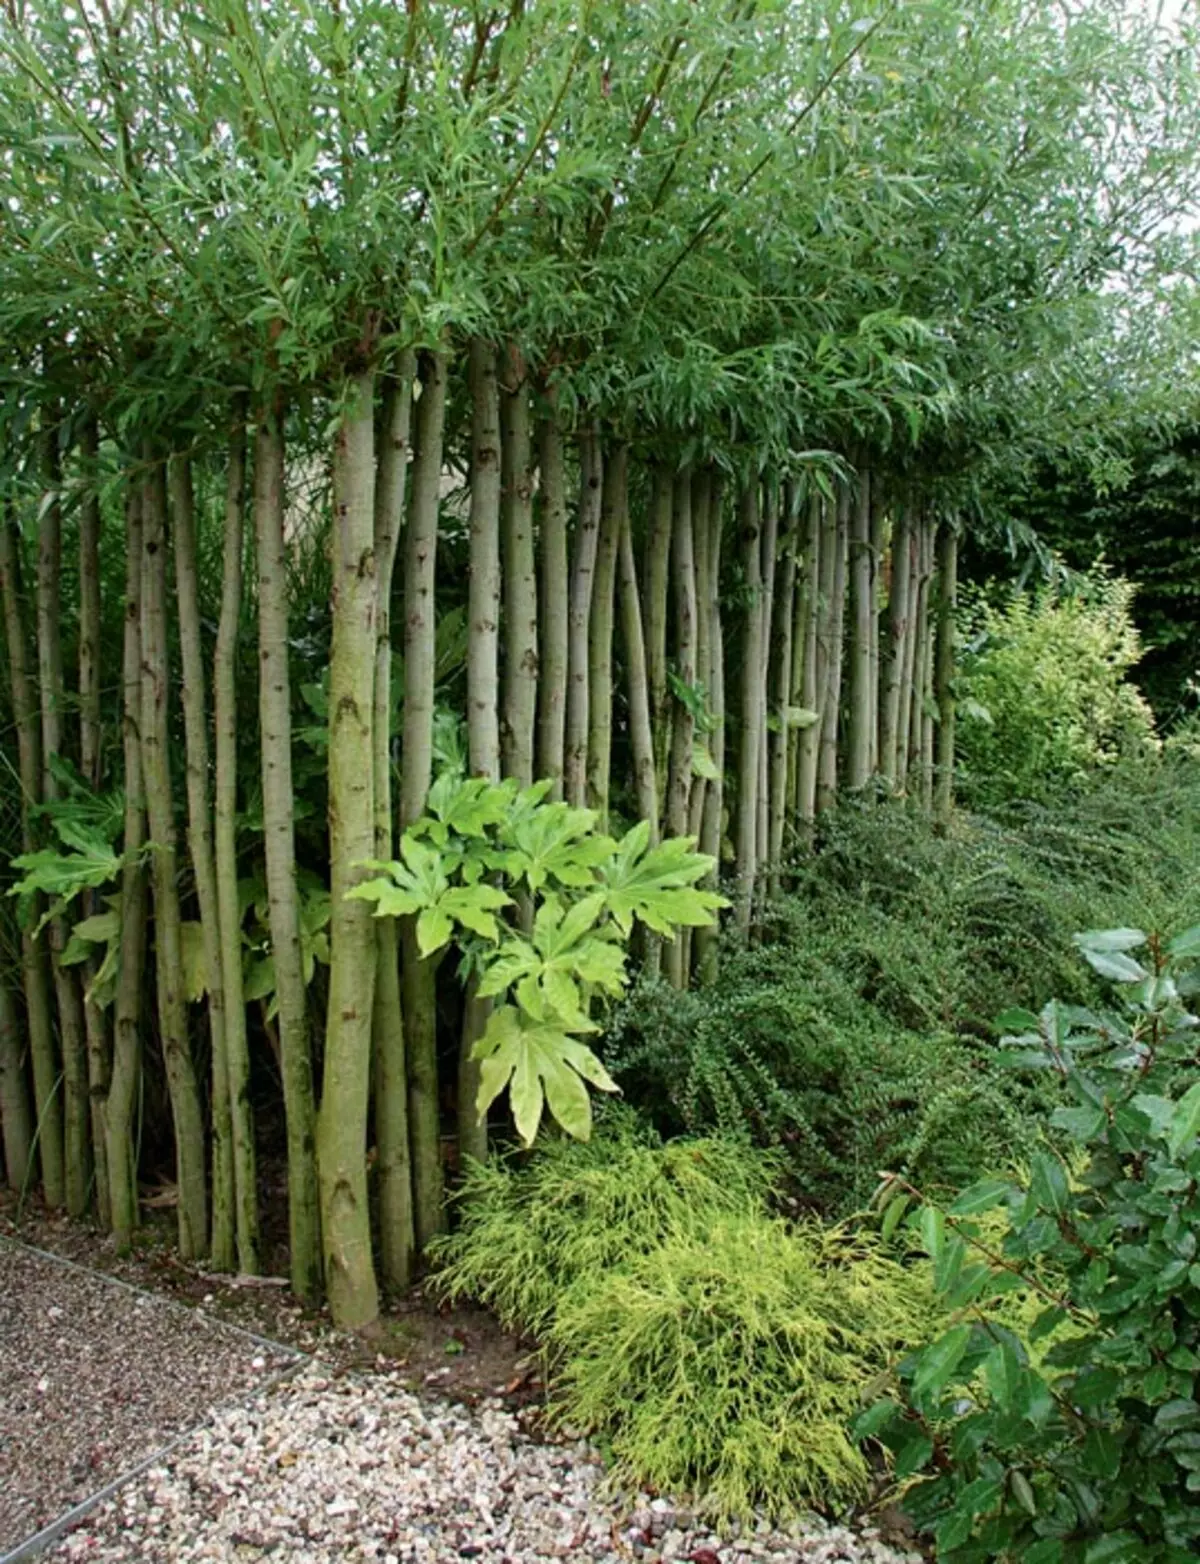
{"points": [[553, 843], [657, 885], [90, 863], [566, 952], [543, 1066]]}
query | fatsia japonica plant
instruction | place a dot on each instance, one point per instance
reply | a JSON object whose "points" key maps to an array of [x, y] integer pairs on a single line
{"points": [[542, 907], [1073, 1438]]}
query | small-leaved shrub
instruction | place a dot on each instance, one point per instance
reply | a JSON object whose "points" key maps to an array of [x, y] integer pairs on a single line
{"points": [[1044, 697], [857, 1033], [714, 1348], [1086, 1450]]}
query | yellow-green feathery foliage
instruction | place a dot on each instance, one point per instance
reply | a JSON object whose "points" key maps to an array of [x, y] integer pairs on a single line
{"points": [[729, 1367], [527, 1234], [716, 1349]]}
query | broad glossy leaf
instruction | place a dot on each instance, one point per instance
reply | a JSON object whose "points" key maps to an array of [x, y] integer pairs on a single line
{"points": [[1185, 1121]]}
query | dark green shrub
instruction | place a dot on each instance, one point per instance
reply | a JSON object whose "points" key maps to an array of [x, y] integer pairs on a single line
{"points": [[857, 1033], [1087, 1452]]}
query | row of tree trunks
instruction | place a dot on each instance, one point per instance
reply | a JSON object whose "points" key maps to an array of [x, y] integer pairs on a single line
{"points": [[591, 636]]}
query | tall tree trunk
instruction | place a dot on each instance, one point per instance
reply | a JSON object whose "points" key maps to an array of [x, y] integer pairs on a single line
{"points": [[419, 975], [827, 768], [859, 725], [229, 918], [583, 570], [785, 620], [275, 709], [683, 726], [899, 630], [15, 1119], [817, 654], [34, 971], [172, 1006], [346, 1080], [614, 505], [770, 548], [658, 588], [944, 673], [51, 686], [123, 1089], [748, 763], [916, 658], [640, 734], [706, 939], [483, 733], [195, 723], [95, 1017], [393, 1159], [878, 530], [555, 586], [520, 574]]}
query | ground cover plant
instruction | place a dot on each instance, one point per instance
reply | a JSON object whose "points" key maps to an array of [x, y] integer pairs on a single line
{"points": [[714, 1348]]}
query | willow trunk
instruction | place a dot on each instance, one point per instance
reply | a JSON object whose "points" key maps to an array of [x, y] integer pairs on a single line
{"points": [[283, 911], [419, 976], [35, 975], [393, 1166], [225, 864], [346, 1080], [182, 1085]]}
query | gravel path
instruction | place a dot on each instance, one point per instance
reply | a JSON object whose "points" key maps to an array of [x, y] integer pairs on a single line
{"points": [[308, 1467], [356, 1468], [94, 1377]]}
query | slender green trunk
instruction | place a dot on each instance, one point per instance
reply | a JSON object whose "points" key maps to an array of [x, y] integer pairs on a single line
{"points": [[419, 976], [701, 499], [168, 957], [899, 630], [770, 548], [785, 620], [579, 610], [658, 587], [555, 587], [859, 724], [746, 847], [393, 1161], [195, 724], [520, 574], [95, 1017], [52, 691], [640, 734], [229, 920], [15, 1118], [916, 660], [706, 939], [346, 1081], [683, 725], [275, 719], [614, 504], [483, 732], [123, 1089], [34, 972], [926, 715], [818, 568], [877, 530], [827, 766], [944, 674]]}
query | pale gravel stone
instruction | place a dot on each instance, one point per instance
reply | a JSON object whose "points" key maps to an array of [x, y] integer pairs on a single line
{"points": [[356, 1468]]}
